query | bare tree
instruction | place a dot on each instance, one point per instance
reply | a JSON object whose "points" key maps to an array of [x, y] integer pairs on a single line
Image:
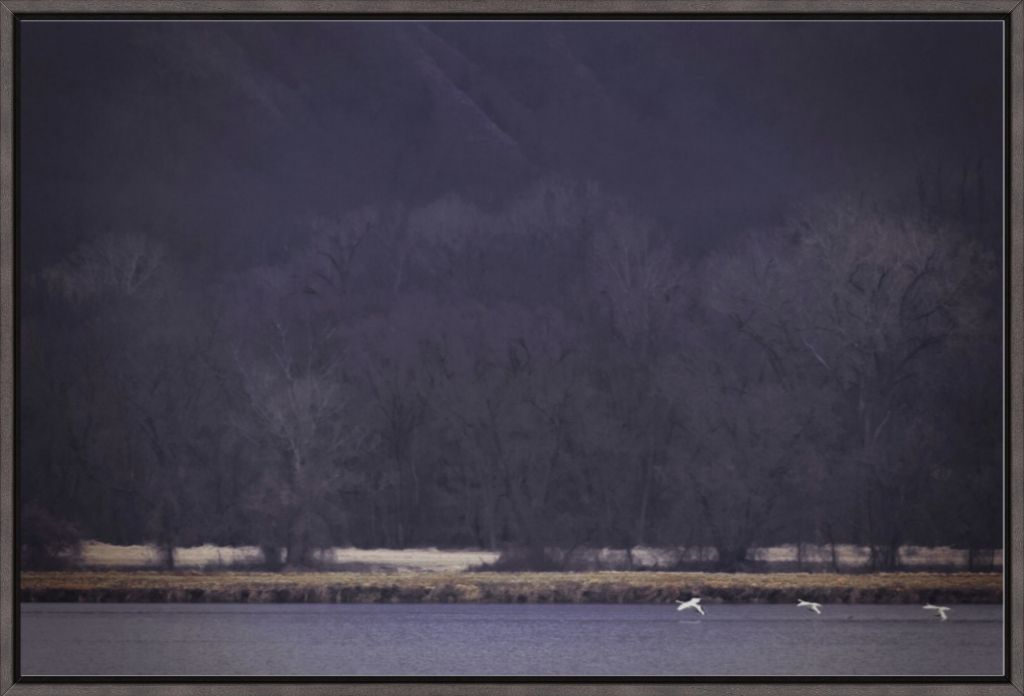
{"points": [[865, 299], [119, 263], [297, 416]]}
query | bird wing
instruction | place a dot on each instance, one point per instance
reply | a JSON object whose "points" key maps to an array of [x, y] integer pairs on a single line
{"points": [[699, 608], [816, 608], [942, 612]]}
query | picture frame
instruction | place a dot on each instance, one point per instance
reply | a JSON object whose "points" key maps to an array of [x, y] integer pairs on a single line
{"points": [[1011, 12]]}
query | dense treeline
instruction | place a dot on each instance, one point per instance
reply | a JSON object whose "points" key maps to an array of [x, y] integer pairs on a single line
{"points": [[558, 372]]}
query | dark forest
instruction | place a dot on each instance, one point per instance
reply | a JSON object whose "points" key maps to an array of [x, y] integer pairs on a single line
{"points": [[510, 287]]}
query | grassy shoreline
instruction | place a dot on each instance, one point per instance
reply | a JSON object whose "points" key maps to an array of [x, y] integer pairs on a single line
{"points": [[597, 587]]}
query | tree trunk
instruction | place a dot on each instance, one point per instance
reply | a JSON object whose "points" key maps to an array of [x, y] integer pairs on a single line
{"points": [[271, 556], [731, 557], [298, 544], [832, 547], [645, 494], [885, 557], [167, 555]]}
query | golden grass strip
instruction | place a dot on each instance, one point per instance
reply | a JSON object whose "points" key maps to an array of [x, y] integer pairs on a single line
{"points": [[613, 587]]}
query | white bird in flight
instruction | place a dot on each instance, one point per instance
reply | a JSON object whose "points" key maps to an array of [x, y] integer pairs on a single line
{"points": [[690, 604], [813, 606], [941, 611]]}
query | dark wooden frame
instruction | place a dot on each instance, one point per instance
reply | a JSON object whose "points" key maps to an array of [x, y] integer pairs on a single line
{"points": [[1009, 11]]}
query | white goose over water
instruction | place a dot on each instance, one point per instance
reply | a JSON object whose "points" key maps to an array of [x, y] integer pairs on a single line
{"points": [[693, 603], [940, 611], [813, 606]]}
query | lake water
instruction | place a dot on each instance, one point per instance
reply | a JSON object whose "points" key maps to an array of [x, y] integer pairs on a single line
{"points": [[501, 639]]}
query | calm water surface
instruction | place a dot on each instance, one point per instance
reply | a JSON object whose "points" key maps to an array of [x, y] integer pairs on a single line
{"points": [[500, 639]]}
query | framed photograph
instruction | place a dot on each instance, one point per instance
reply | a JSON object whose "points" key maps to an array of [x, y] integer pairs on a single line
{"points": [[458, 347]]}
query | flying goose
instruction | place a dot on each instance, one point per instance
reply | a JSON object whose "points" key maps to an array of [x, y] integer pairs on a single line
{"points": [[813, 606], [940, 611], [690, 604]]}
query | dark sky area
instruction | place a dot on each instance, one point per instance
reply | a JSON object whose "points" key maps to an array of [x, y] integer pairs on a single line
{"points": [[229, 136]]}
